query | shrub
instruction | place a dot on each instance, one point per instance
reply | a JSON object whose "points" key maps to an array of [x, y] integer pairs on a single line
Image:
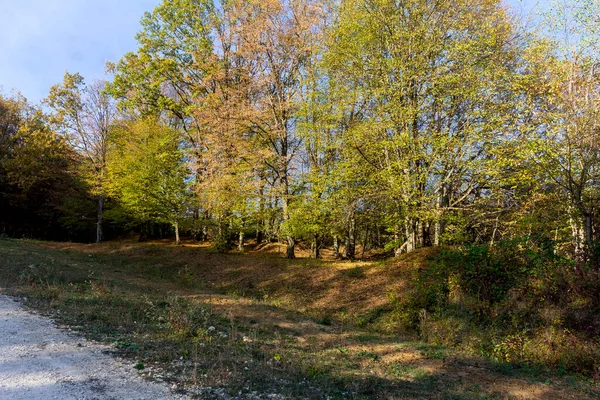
{"points": [[186, 318], [515, 302]]}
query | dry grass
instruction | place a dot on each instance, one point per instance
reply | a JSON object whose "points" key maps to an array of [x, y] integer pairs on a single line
{"points": [[278, 326], [325, 287]]}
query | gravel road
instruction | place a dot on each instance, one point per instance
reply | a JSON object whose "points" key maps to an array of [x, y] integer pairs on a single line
{"points": [[40, 361]]}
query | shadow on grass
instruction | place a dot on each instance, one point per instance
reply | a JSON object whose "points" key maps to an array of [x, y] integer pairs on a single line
{"points": [[128, 294]]}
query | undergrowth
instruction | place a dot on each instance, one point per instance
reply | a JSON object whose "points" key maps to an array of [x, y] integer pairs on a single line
{"points": [[211, 331], [515, 302]]}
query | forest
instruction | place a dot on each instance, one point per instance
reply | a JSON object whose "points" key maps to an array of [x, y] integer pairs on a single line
{"points": [[453, 131]]}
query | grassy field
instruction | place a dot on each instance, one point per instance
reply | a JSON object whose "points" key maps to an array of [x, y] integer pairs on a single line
{"points": [[256, 325]]}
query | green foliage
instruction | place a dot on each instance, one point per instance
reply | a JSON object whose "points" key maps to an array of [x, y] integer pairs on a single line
{"points": [[481, 276], [146, 172], [400, 148], [222, 238], [515, 301], [174, 43], [41, 193], [386, 125]]}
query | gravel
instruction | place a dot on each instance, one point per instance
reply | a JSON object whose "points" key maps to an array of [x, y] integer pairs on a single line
{"points": [[40, 361]]}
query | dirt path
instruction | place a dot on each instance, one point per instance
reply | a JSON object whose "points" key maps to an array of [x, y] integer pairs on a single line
{"points": [[39, 361]]}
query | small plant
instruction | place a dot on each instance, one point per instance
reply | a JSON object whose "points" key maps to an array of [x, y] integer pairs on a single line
{"points": [[99, 289], [368, 354], [126, 345], [355, 273], [325, 320], [185, 277], [407, 371], [139, 366], [432, 352], [186, 318]]}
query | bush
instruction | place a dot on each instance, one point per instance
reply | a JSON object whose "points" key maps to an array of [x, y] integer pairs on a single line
{"points": [[477, 277], [186, 318], [515, 302]]}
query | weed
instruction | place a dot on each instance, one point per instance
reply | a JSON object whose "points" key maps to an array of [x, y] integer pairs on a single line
{"points": [[354, 273], [150, 308], [407, 371], [370, 355], [185, 277], [124, 344], [325, 320], [432, 352]]}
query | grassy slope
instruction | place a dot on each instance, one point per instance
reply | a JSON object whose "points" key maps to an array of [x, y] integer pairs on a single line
{"points": [[256, 322]]}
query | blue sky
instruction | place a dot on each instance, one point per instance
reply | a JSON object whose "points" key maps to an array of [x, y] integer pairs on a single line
{"points": [[41, 39]]}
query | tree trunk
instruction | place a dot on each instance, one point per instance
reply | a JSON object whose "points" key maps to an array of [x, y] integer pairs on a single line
{"points": [[493, 239], [399, 248], [578, 238], [443, 202], [314, 247], [177, 240], [241, 242], [291, 243], [411, 235], [437, 231], [289, 251], [350, 244], [349, 250], [589, 239], [144, 230], [336, 246], [99, 232], [365, 243], [262, 222]]}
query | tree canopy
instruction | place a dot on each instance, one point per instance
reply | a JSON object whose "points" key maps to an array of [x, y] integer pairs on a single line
{"points": [[374, 125]]}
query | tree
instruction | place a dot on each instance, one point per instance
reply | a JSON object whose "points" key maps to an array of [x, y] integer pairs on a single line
{"points": [[435, 78], [40, 189], [83, 114], [571, 127], [147, 172], [229, 73]]}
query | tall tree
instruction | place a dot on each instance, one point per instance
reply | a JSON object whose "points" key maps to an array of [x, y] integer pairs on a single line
{"points": [[147, 173], [40, 189], [436, 79], [83, 114], [278, 37], [571, 127], [229, 72]]}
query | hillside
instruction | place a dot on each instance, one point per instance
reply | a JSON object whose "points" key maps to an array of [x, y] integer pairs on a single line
{"points": [[255, 325]]}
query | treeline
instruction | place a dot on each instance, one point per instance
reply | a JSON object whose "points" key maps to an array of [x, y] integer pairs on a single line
{"points": [[365, 124]]}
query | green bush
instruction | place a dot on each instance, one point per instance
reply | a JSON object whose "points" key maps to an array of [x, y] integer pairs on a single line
{"points": [[515, 301], [477, 277]]}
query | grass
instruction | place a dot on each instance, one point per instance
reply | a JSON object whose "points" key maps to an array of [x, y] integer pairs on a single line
{"points": [[254, 324]]}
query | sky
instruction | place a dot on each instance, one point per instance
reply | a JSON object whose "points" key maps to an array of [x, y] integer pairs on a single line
{"points": [[42, 39]]}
